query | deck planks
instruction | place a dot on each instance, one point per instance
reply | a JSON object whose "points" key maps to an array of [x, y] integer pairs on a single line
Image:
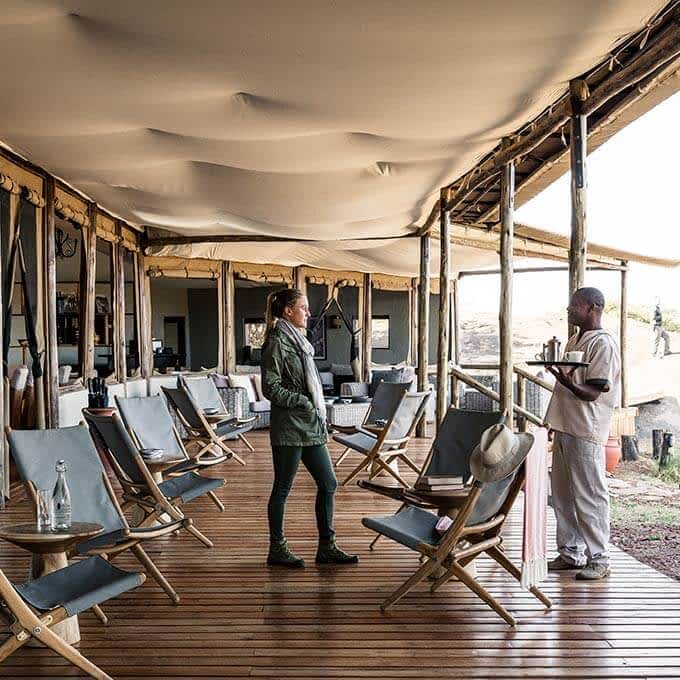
{"points": [[239, 619]]}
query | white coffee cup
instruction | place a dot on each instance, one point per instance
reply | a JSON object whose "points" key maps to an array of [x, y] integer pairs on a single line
{"points": [[573, 356]]}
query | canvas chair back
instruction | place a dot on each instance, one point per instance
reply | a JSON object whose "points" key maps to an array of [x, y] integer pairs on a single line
{"points": [[115, 437], [386, 400], [492, 498], [459, 433], [203, 391], [150, 422], [407, 414], [36, 453], [182, 401]]}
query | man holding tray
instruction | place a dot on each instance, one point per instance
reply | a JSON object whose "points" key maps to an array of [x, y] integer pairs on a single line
{"points": [[579, 414]]}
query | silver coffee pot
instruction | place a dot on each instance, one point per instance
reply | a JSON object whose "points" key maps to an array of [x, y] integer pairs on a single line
{"points": [[551, 350]]}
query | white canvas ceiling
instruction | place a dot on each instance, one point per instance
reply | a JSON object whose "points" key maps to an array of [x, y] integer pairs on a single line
{"points": [[301, 118]]}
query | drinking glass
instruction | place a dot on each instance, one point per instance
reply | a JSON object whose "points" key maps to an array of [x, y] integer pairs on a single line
{"points": [[44, 510]]}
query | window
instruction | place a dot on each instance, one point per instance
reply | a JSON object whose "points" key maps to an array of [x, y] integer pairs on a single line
{"points": [[130, 310], [104, 362], [380, 332], [68, 246], [253, 333]]}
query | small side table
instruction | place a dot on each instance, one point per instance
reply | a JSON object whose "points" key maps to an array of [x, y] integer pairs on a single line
{"points": [[49, 549]]}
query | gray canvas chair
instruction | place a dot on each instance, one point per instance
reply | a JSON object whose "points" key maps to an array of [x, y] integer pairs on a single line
{"points": [[476, 529], [449, 455], [204, 434], [150, 425], [390, 443], [383, 405], [34, 607], [139, 486], [36, 453]]}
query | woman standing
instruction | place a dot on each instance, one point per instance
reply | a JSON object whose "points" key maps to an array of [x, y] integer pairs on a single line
{"points": [[290, 380]]}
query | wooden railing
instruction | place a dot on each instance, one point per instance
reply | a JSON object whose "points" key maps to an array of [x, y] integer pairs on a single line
{"points": [[457, 373]]}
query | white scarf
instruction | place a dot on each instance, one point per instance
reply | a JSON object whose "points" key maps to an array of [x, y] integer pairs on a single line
{"points": [[312, 378]]}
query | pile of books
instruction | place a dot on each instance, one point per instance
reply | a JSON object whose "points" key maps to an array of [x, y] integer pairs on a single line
{"points": [[439, 483]]}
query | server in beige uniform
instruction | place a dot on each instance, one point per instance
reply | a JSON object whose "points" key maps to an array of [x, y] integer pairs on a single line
{"points": [[579, 415]]}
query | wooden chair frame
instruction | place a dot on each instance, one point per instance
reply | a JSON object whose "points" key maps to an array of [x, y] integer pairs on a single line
{"points": [[205, 437], [25, 623], [385, 450], [453, 556], [132, 538], [148, 497]]}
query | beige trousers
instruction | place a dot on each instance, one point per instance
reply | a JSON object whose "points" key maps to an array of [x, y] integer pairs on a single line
{"points": [[580, 500]]}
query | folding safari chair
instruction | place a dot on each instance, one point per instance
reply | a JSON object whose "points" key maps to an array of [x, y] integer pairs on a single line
{"points": [[391, 442], [34, 607], [140, 489], [383, 405], [200, 431], [36, 453], [207, 397], [459, 432], [150, 425], [476, 529]]}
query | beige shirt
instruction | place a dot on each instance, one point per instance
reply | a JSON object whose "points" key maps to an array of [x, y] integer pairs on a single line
{"points": [[588, 419]]}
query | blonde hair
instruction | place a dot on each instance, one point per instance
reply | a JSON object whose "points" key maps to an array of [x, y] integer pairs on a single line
{"points": [[277, 302]]}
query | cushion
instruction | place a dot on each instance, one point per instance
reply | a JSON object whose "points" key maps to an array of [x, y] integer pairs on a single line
{"points": [[411, 527], [341, 369], [257, 384], [246, 383], [394, 375], [362, 442], [220, 380], [261, 406]]}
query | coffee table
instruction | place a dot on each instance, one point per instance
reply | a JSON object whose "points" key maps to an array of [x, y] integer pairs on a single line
{"points": [[49, 553]]}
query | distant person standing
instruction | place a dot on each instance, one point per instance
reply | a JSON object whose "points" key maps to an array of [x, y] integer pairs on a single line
{"points": [[659, 332], [579, 415]]}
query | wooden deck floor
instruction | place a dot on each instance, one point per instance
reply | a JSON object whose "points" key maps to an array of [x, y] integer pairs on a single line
{"points": [[237, 618]]}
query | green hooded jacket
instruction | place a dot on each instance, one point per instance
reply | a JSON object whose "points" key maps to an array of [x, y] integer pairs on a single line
{"points": [[294, 419]]}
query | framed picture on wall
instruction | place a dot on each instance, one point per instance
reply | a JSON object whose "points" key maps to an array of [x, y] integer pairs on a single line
{"points": [[316, 334], [254, 332], [380, 332]]}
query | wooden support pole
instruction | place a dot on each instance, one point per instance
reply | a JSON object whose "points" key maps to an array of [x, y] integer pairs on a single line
{"points": [[505, 310], [144, 311], [423, 322], [366, 323], [455, 338], [51, 375], [623, 337], [577, 154], [299, 279], [87, 294], [444, 307], [413, 322], [118, 289], [229, 315]]}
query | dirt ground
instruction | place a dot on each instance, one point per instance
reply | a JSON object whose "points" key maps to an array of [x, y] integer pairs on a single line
{"points": [[646, 515]]}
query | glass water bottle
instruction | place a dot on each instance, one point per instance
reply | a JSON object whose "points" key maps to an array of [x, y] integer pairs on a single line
{"points": [[61, 500]]}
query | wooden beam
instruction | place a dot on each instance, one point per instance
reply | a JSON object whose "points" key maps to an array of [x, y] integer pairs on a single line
{"points": [[366, 323], [444, 308], [578, 150], [623, 337], [413, 322], [144, 312], [505, 307], [51, 350], [423, 322], [118, 288], [455, 336], [229, 316], [87, 294]]}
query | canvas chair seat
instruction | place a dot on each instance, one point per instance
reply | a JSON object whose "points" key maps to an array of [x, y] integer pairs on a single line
{"points": [[357, 441], [231, 428], [189, 486], [79, 587], [411, 527]]}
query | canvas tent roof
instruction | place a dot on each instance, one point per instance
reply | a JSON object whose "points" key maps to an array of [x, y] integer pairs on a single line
{"points": [[296, 119]]}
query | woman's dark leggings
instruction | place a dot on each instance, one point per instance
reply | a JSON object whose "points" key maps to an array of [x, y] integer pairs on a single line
{"points": [[318, 461]]}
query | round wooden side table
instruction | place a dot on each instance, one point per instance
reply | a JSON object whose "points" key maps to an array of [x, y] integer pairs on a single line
{"points": [[49, 552]]}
